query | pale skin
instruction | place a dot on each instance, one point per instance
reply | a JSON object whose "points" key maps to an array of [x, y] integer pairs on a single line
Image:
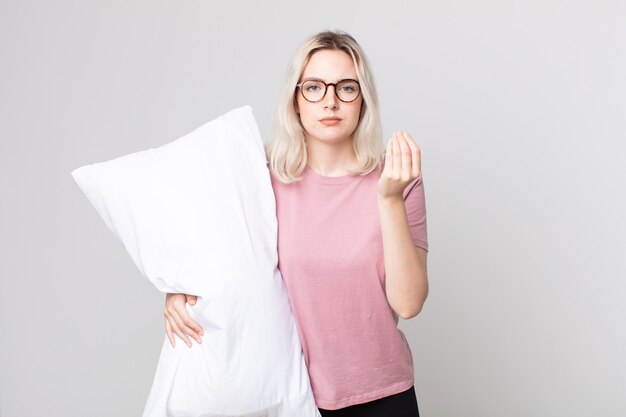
{"points": [[330, 153]]}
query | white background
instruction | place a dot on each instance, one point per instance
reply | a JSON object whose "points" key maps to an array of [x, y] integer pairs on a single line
{"points": [[518, 106]]}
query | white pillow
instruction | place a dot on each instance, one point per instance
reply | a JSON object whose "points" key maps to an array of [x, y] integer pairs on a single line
{"points": [[198, 216]]}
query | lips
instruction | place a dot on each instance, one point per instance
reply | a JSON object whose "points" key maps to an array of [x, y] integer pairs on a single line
{"points": [[330, 121]]}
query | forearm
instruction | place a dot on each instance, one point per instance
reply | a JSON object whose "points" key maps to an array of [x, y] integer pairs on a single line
{"points": [[406, 279]]}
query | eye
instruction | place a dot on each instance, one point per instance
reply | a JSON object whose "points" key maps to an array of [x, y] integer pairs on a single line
{"points": [[349, 87], [312, 87]]}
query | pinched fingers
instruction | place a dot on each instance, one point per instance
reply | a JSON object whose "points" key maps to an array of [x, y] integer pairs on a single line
{"points": [[396, 157], [405, 157], [415, 155]]}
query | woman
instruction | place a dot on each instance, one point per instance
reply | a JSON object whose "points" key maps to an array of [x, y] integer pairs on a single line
{"points": [[352, 240]]}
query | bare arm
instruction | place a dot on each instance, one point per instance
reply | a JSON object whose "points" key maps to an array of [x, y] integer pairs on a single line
{"points": [[406, 278]]}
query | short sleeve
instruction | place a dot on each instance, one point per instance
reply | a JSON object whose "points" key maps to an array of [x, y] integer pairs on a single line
{"points": [[415, 206]]}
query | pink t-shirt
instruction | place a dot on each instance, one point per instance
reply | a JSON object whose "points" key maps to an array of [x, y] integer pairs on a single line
{"points": [[330, 254]]}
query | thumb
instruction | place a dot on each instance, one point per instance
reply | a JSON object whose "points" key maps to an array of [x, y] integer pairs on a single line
{"points": [[191, 299]]}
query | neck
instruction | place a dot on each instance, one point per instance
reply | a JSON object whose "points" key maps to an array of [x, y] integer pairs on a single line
{"points": [[330, 159]]}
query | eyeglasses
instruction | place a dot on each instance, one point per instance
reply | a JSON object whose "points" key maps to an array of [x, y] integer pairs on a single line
{"points": [[346, 90]]}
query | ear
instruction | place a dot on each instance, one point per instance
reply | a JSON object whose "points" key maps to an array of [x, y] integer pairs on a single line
{"points": [[295, 105]]}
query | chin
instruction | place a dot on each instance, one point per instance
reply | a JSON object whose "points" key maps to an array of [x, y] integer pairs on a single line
{"points": [[332, 138]]}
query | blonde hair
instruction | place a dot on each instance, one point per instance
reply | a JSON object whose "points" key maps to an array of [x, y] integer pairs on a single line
{"points": [[286, 148]]}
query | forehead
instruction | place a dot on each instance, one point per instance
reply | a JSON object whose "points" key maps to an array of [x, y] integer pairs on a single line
{"points": [[330, 65]]}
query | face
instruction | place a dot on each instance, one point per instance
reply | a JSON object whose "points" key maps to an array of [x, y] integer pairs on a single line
{"points": [[329, 66]]}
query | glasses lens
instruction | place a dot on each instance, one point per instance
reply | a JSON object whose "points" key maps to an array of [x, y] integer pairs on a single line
{"points": [[348, 90], [313, 90]]}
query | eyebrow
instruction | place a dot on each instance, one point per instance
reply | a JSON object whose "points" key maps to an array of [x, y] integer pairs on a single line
{"points": [[319, 79]]}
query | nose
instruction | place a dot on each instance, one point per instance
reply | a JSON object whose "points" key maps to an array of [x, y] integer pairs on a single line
{"points": [[330, 98]]}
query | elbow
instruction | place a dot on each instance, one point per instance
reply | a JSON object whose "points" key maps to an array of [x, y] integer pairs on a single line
{"points": [[409, 314], [412, 311], [410, 306]]}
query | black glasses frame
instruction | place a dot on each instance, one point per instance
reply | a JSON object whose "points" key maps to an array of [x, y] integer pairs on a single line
{"points": [[326, 89]]}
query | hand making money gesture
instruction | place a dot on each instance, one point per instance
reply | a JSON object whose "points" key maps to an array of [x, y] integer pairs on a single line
{"points": [[402, 166]]}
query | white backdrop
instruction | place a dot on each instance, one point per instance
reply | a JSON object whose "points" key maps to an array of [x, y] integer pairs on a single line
{"points": [[519, 108]]}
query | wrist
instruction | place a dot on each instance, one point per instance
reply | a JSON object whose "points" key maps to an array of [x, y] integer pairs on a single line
{"points": [[390, 200]]}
